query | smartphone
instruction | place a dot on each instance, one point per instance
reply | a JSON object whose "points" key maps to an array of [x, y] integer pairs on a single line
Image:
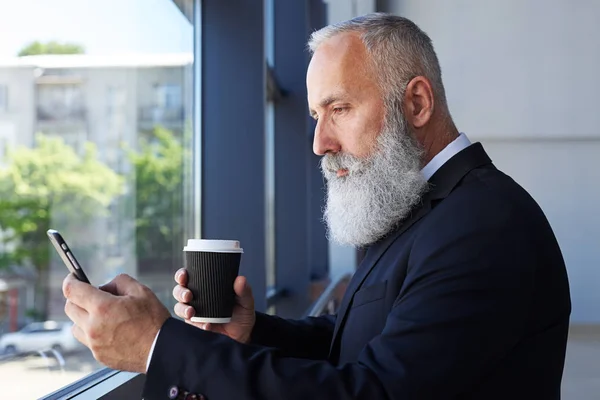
{"points": [[67, 255]]}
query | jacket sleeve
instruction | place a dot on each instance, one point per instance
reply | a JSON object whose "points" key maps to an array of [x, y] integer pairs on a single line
{"points": [[465, 304], [307, 338]]}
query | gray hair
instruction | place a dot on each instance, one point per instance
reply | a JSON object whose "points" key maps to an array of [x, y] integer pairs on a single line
{"points": [[399, 51]]}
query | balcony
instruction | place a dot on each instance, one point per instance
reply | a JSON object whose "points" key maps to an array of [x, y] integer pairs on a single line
{"points": [[168, 117], [50, 119]]}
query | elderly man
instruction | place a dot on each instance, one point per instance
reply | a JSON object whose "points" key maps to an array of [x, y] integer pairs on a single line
{"points": [[462, 293]]}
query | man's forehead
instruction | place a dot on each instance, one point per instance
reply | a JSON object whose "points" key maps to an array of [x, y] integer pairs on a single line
{"points": [[338, 63], [345, 50], [345, 42]]}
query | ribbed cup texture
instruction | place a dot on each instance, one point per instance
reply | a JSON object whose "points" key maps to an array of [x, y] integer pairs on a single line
{"points": [[211, 276]]}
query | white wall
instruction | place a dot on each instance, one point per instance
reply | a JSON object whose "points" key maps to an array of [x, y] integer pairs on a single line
{"points": [[516, 68], [522, 77]]}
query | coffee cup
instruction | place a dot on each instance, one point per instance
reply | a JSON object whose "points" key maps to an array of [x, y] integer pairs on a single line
{"points": [[212, 266]]}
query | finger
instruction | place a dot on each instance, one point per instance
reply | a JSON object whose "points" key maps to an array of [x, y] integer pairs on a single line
{"points": [[244, 292], [195, 324], [79, 335], [184, 311], [182, 294], [201, 325], [181, 277], [80, 293], [121, 285], [78, 315]]}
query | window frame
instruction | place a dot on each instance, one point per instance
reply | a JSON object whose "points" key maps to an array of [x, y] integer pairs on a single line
{"points": [[104, 383]]}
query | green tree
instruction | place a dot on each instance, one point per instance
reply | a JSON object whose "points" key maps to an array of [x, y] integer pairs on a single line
{"points": [[39, 182], [158, 170], [52, 47]]}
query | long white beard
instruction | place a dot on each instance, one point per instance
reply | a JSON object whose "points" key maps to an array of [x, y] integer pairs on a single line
{"points": [[378, 192]]}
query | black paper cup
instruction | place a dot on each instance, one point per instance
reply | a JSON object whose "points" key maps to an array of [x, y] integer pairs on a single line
{"points": [[212, 266]]}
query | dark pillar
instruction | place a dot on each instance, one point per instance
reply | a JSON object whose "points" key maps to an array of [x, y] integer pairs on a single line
{"points": [[232, 131], [300, 243], [319, 248]]}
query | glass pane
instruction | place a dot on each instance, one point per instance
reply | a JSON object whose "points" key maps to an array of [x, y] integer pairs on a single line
{"points": [[95, 133]]}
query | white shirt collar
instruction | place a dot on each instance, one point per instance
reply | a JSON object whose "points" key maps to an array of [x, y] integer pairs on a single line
{"points": [[458, 144]]}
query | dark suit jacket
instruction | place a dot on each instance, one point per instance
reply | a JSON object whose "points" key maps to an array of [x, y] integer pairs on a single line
{"points": [[467, 299]]}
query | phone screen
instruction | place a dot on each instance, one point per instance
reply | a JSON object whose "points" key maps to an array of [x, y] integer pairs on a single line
{"points": [[66, 254]]}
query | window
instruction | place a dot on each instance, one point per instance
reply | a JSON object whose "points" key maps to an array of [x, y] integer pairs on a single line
{"points": [[167, 107], [3, 98], [64, 110], [168, 96], [60, 101]]}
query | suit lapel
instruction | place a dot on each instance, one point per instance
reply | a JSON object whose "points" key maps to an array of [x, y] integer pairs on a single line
{"points": [[373, 255], [442, 183]]}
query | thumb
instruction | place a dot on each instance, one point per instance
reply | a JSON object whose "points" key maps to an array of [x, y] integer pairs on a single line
{"points": [[121, 285], [243, 290]]}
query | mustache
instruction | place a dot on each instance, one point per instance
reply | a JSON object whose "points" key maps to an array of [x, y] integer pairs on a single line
{"points": [[332, 162]]}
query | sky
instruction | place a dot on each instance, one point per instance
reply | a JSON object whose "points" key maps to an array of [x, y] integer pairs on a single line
{"points": [[101, 26]]}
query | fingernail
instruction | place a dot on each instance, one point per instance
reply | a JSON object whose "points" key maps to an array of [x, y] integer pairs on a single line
{"points": [[178, 275]]}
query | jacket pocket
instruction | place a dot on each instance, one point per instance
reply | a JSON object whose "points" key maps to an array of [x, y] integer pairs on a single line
{"points": [[369, 294]]}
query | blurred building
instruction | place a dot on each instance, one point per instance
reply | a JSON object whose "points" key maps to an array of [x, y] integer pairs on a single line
{"points": [[110, 101]]}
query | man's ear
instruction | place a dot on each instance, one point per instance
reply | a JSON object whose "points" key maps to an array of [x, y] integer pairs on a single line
{"points": [[418, 102]]}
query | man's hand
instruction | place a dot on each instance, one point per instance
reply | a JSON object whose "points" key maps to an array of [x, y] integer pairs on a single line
{"points": [[242, 320], [118, 322]]}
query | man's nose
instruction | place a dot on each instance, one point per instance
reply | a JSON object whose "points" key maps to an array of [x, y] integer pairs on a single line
{"points": [[325, 140]]}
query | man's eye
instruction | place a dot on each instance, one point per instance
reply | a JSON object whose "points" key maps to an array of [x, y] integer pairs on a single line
{"points": [[338, 110]]}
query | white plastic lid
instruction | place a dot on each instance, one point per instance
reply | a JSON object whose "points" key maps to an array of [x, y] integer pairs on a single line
{"points": [[216, 246]]}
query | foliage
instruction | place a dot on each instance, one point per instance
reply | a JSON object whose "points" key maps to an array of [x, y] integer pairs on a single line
{"points": [[51, 181], [39, 183], [158, 168], [52, 47]]}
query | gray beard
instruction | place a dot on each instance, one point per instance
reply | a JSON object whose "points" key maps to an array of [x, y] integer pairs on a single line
{"points": [[378, 192]]}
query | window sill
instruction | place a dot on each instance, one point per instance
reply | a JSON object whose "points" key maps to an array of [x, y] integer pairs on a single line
{"points": [[106, 384]]}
